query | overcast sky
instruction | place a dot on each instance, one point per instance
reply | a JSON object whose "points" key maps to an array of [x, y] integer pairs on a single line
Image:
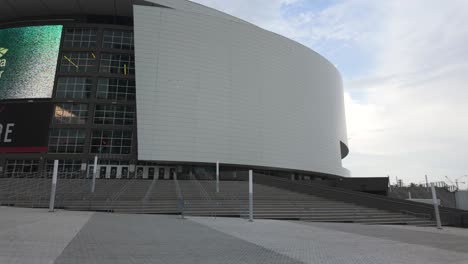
{"points": [[405, 71]]}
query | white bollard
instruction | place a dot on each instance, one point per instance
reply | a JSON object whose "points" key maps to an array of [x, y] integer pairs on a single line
{"points": [[217, 176], [54, 186], [250, 196], [93, 184], [436, 206]]}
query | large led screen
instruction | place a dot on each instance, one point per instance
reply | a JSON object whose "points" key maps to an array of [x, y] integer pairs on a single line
{"points": [[24, 127], [28, 61]]}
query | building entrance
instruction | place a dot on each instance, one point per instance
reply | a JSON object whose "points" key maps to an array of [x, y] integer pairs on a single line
{"points": [[142, 172], [159, 172], [109, 172]]}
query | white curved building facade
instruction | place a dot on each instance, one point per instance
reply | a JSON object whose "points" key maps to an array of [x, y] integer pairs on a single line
{"points": [[162, 89], [213, 88]]}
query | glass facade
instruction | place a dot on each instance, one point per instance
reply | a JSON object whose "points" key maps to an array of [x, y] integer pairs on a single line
{"points": [[111, 141], [78, 62], [66, 168], [67, 113], [97, 68], [79, 38], [117, 63], [116, 89], [21, 168], [119, 115], [73, 87], [94, 92], [117, 39], [66, 140]]}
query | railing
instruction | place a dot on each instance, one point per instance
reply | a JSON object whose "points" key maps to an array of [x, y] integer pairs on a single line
{"points": [[419, 215], [16, 188], [221, 198], [149, 191], [205, 195], [449, 216], [180, 198], [116, 196], [70, 188]]}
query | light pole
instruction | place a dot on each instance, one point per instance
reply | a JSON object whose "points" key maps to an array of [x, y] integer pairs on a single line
{"points": [[456, 181], [217, 176], [53, 187], [436, 206], [250, 196], [93, 184]]}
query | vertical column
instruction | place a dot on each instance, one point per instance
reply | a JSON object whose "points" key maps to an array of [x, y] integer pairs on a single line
{"points": [[217, 176], [250, 196], [436, 206], [93, 184], [54, 186]]}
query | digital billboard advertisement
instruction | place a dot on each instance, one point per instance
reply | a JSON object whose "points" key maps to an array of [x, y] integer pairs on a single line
{"points": [[28, 61], [24, 127]]}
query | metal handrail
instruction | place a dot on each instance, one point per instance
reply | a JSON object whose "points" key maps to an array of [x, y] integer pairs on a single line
{"points": [[450, 215], [40, 188], [206, 195], [149, 191], [423, 215], [122, 190], [62, 191], [180, 198], [13, 189], [27, 175], [355, 193], [232, 197]]}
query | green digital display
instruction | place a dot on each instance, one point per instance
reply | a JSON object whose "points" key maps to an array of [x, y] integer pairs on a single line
{"points": [[28, 61]]}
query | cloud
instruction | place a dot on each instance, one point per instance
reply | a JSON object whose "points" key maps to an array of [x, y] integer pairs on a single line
{"points": [[332, 22], [419, 85], [405, 67]]}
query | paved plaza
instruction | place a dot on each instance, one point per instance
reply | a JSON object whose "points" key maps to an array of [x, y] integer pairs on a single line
{"points": [[36, 236]]}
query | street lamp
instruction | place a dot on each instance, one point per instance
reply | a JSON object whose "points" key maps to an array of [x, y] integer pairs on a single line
{"points": [[456, 181]]}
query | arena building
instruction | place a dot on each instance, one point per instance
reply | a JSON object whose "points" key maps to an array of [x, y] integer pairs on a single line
{"points": [[159, 89]]}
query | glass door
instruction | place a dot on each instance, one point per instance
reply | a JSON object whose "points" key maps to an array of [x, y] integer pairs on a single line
{"points": [[151, 173]]}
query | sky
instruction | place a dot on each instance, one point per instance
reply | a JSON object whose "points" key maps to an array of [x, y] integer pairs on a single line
{"points": [[404, 66]]}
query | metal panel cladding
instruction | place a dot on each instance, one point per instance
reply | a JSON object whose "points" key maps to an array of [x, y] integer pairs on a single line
{"points": [[210, 88], [28, 61]]}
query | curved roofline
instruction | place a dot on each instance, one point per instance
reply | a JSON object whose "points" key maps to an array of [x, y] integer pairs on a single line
{"points": [[184, 5], [14, 11]]}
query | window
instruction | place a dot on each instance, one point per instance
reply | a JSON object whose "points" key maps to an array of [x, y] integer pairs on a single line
{"points": [[111, 141], [73, 87], [110, 162], [70, 114], [79, 38], [116, 89], [114, 115], [77, 62], [66, 168], [66, 140], [115, 39], [118, 64], [22, 168]]}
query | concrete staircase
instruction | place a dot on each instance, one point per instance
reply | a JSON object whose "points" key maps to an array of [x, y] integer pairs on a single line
{"points": [[198, 197]]}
